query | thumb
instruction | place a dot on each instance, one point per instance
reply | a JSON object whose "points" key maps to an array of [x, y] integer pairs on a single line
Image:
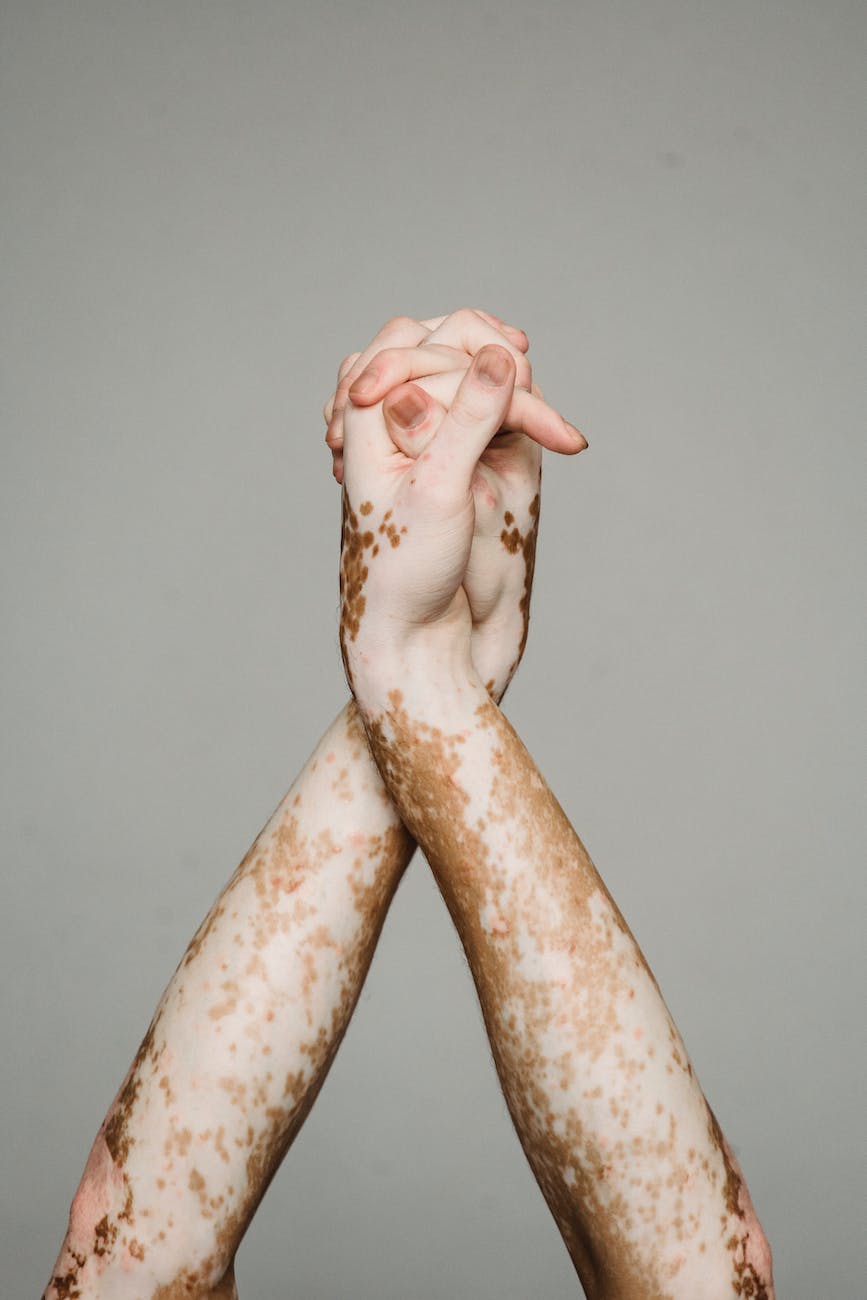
{"points": [[477, 412], [411, 417]]}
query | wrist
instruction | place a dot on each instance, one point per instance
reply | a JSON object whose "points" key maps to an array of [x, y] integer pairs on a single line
{"points": [[429, 666], [496, 651]]}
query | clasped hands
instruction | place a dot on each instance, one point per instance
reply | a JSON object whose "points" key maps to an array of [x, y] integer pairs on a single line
{"points": [[436, 431]]}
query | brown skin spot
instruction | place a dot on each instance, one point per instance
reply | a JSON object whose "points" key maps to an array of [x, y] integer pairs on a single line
{"points": [[511, 540], [391, 531], [220, 1145], [514, 541], [732, 1187], [104, 1236], [116, 1131], [179, 1140], [353, 572], [747, 1282], [66, 1287], [354, 545]]}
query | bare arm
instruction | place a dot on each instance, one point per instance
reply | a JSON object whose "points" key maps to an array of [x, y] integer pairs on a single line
{"points": [[646, 1193], [241, 1041], [250, 1022]]}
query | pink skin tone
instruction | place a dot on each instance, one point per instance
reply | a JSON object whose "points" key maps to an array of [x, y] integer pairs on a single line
{"points": [[644, 1188], [247, 1028]]}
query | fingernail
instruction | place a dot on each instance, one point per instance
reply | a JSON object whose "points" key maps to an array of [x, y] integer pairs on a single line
{"points": [[365, 383], [577, 435], [408, 411], [493, 366]]}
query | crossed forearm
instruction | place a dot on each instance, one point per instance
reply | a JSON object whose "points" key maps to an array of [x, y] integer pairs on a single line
{"points": [[241, 1041], [645, 1191], [647, 1195], [247, 1028]]}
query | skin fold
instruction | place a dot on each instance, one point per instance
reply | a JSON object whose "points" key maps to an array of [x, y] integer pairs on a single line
{"points": [[645, 1190], [246, 1030]]}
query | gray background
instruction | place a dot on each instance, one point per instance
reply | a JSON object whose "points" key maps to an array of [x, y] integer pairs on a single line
{"points": [[205, 206]]}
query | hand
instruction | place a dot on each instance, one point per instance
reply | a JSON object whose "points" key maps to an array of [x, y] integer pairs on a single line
{"points": [[408, 523], [499, 574], [449, 342], [506, 499]]}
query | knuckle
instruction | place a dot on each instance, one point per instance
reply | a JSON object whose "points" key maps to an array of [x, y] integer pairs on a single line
{"points": [[398, 324], [465, 413]]}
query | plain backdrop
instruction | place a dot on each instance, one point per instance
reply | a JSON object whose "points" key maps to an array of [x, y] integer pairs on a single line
{"points": [[205, 206]]}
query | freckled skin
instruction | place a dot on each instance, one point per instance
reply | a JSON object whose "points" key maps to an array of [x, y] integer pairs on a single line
{"points": [[264, 992], [241, 1041], [515, 541], [246, 1030], [605, 1101], [627, 1153]]}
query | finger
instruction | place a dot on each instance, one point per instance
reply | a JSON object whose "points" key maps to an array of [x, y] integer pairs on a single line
{"points": [[400, 366], [345, 366], [512, 332], [402, 326], [400, 330], [465, 329], [475, 415], [412, 417], [527, 414]]}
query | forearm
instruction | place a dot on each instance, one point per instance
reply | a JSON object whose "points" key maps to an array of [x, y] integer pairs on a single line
{"points": [[647, 1195], [242, 1038]]}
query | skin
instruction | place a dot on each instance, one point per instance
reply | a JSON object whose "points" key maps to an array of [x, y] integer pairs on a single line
{"points": [[241, 1041], [247, 1028], [644, 1188]]}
